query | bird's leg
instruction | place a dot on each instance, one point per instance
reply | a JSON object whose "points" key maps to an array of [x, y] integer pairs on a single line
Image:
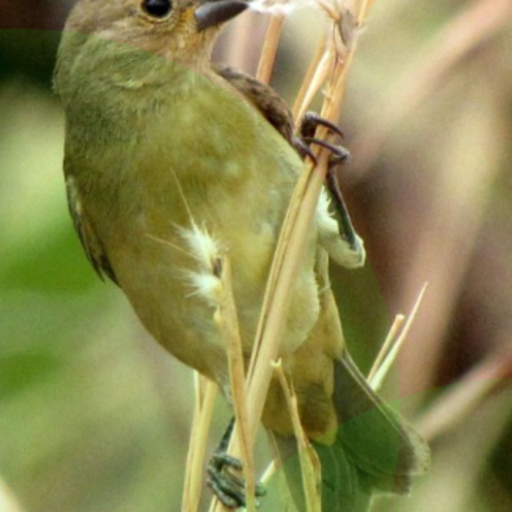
{"points": [[347, 231], [229, 488], [339, 156]]}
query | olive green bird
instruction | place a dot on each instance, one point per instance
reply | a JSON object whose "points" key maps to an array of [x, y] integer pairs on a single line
{"points": [[170, 161]]}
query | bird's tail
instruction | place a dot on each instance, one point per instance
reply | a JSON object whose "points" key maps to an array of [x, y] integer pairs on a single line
{"points": [[374, 451]]}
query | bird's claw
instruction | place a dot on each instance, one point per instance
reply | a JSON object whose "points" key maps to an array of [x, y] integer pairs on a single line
{"points": [[339, 155], [306, 138], [229, 488], [312, 120]]}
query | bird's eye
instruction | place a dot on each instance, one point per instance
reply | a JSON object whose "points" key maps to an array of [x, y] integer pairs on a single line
{"points": [[157, 8]]}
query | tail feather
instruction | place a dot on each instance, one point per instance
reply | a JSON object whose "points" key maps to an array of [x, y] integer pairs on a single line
{"points": [[344, 487], [374, 451], [377, 439]]}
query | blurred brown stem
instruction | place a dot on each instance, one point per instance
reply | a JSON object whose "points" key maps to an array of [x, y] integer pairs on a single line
{"points": [[475, 24], [269, 52], [457, 403]]}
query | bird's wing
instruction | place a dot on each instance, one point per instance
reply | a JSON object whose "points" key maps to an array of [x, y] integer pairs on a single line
{"points": [[384, 448], [90, 242], [376, 438], [276, 112], [263, 98]]}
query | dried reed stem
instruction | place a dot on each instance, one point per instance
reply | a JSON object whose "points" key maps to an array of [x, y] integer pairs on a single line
{"points": [[458, 217], [228, 320], [269, 52], [466, 395], [386, 346], [292, 241], [289, 253], [309, 463], [301, 101], [473, 25], [391, 355], [206, 392]]}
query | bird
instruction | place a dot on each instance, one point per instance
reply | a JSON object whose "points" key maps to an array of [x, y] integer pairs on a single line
{"points": [[170, 161]]}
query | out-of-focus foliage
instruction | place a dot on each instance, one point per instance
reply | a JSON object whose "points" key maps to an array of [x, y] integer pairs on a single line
{"points": [[94, 416], [89, 419]]}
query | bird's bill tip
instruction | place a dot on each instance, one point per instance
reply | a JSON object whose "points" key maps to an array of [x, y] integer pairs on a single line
{"points": [[215, 12]]}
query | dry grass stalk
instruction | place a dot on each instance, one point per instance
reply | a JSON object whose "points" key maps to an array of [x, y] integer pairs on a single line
{"points": [[315, 78], [206, 392], [467, 394], [329, 65], [228, 321], [269, 51], [309, 463], [390, 352], [476, 23], [333, 64], [387, 345], [460, 216]]}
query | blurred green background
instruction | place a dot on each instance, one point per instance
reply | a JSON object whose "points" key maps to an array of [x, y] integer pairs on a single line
{"points": [[95, 417]]}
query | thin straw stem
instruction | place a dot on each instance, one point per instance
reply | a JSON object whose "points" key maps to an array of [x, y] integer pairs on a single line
{"points": [[269, 52], [292, 244], [206, 392], [386, 346], [390, 358]]}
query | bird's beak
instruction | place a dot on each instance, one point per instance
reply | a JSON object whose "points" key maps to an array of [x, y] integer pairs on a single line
{"points": [[215, 12]]}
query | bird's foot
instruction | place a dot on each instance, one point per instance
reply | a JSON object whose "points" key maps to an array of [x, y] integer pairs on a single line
{"points": [[306, 137], [353, 251], [229, 488], [225, 484]]}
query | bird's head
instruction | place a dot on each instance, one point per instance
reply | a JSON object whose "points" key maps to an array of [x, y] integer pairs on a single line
{"points": [[180, 30]]}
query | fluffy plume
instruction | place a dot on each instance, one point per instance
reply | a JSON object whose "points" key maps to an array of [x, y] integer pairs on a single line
{"points": [[283, 7], [207, 252]]}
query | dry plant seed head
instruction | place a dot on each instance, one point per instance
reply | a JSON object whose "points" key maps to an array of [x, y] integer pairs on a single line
{"points": [[342, 12], [207, 252], [278, 7], [202, 246]]}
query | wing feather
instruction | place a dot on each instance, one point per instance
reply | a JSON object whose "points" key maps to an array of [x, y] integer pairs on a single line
{"points": [[90, 242]]}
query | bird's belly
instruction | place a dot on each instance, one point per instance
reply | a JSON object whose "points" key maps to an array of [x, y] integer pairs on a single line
{"points": [[154, 264], [233, 183]]}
